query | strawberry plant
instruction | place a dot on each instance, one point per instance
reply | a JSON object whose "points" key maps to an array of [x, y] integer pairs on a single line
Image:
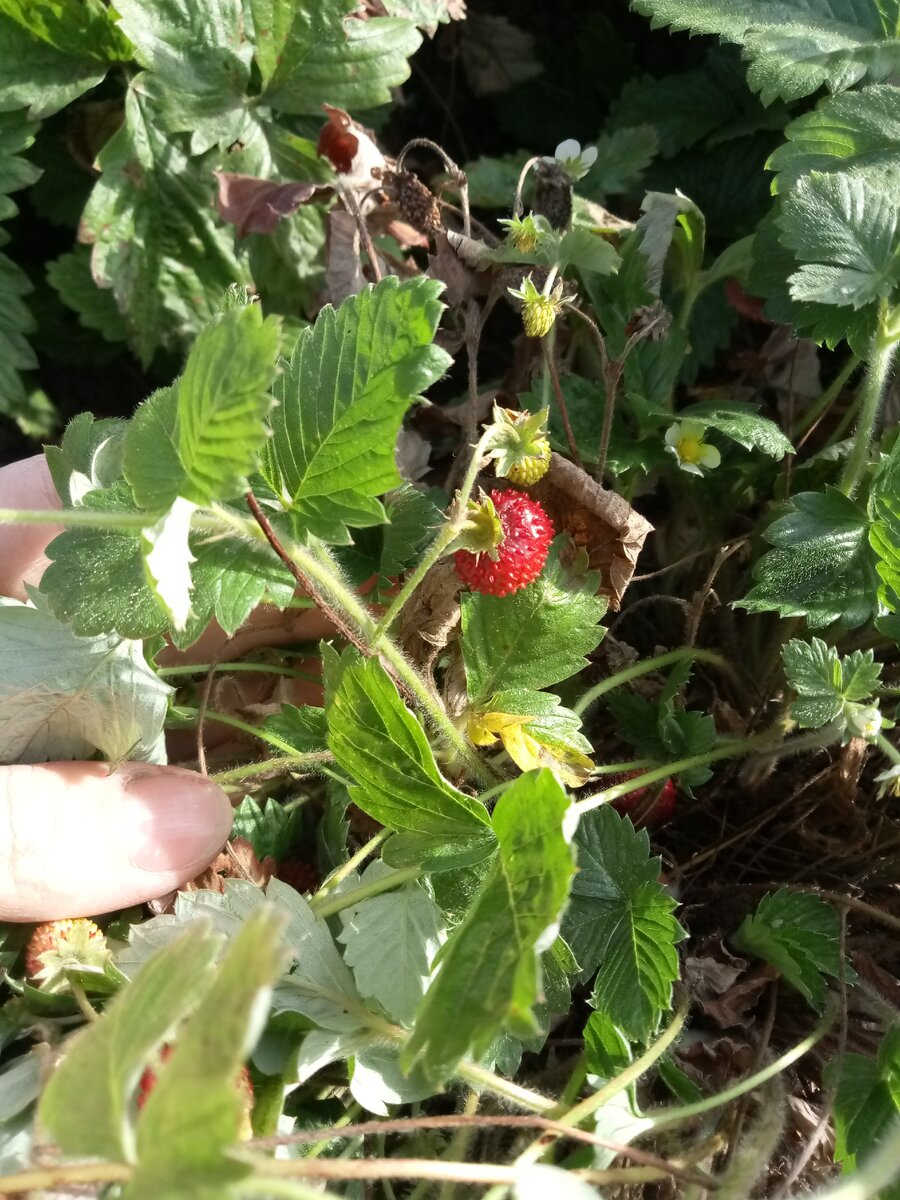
{"points": [[508, 525]]}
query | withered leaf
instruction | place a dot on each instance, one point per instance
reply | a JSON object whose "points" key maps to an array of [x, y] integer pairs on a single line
{"points": [[257, 205]]}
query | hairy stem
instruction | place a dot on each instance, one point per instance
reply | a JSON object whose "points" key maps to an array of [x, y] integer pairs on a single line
{"points": [[643, 668], [386, 883], [873, 388]]}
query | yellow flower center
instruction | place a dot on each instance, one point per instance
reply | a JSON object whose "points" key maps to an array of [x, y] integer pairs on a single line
{"points": [[690, 448]]}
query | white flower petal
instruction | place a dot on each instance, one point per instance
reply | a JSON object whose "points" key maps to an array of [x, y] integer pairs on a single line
{"points": [[588, 157], [673, 436], [693, 429], [691, 468], [709, 457], [568, 149]]}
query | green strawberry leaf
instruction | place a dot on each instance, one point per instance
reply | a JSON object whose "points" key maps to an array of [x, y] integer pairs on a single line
{"points": [[84, 1106], [866, 1103], [70, 276], [799, 934], [212, 421], [844, 228], [156, 243], [774, 264], [86, 30], [821, 567], [303, 728], [489, 976], [663, 732], [36, 76], [312, 51], [853, 129], [532, 639], [272, 831], [195, 1088], [740, 422], [383, 748], [83, 694], [794, 47], [16, 135], [620, 923], [884, 533], [341, 400], [390, 943], [824, 682]]}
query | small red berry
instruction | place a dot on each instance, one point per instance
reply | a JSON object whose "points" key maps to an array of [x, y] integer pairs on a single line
{"points": [[520, 556], [661, 810]]}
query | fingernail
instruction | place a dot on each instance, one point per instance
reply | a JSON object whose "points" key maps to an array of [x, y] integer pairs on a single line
{"points": [[175, 820]]}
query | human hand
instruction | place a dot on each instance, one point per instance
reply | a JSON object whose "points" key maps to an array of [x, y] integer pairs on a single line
{"points": [[80, 839]]}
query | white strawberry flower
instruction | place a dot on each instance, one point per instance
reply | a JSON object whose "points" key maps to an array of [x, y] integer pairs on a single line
{"points": [[684, 439], [573, 159]]}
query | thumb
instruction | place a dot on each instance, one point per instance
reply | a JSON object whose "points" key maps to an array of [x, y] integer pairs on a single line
{"points": [[80, 839]]}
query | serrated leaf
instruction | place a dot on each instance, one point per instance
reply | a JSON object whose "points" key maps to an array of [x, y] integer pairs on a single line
{"points": [[773, 264], [177, 1156], [740, 422], [663, 732], [167, 561], [272, 830], [85, 1103], [70, 276], [16, 135], [380, 744], [620, 923], [36, 76], [96, 582], [844, 228], [67, 697], [155, 241], [85, 30], [854, 129], [533, 639], [303, 728], [884, 533], [622, 157], [794, 47], [866, 1103], [823, 681], [799, 934], [536, 731], [579, 247], [390, 943], [342, 397], [821, 567], [489, 976], [316, 52], [667, 218], [219, 406]]}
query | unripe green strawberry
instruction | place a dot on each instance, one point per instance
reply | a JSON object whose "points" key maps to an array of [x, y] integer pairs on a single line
{"points": [[530, 469], [519, 557]]}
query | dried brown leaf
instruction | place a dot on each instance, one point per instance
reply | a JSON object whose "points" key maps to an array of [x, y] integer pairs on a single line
{"points": [[601, 523], [257, 205]]}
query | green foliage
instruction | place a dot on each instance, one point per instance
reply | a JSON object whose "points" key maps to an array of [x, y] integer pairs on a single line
{"points": [[341, 400], [16, 135], [304, 728], [826, 683], [821, 567], [272, 829], [852, 130], [662, 731], [84, 30], [397, 781], [739, 421], [843, 227], [620, 924], [84, 694], [489, 975], [200, 439], [533, 639], [35, 75], [884, 532], [866, 1103], [70, 276], [799, 934], [794, 47], [390, 943]]}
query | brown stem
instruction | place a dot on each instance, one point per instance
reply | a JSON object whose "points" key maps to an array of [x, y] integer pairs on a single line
{"points": [[550, 360], [413, 1124]]}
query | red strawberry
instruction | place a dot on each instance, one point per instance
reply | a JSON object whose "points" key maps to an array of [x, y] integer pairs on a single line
{"points": [[520, 556], [635, 803], [242, 1083]]}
